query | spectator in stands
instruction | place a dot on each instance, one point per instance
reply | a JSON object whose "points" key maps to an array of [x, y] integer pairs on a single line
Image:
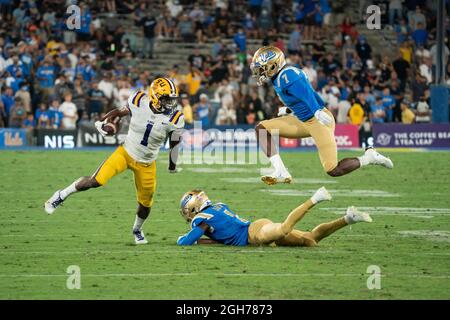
{"points": [[363, 49], [29, 122], [148, 24], [401, 67], [417, 19], [255, 106], [69, 112], [79, 95], [8, 101], [222, 23], [388, 104], [96, 100], [403, 30], [425, 69], [46, 75], [294, 42], [187, 109], [42, 116], [84, 32], [197, 16], [193, 81], [240, 39], [419, 86], [342, 111], [202, 110], [185, 28], [423, 111], [395, 11], [196, 59], [356, 113], [408, 117], [420, 35], [378, 113], [55, 116], [17, 114]]}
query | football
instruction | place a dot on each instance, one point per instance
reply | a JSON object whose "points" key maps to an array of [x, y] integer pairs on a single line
{"points": [[112, 126]]}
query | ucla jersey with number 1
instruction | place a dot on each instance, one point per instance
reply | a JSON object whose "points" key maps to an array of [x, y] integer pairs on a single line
{"points": [[295, 91], [225, 226]]}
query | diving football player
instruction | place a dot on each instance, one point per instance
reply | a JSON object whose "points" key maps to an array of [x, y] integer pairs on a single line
{"points": [[154, 118], [221, 225], [304, 115]]}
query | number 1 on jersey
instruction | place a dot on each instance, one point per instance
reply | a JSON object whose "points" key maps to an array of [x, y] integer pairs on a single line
{"points": [[149, 128]]}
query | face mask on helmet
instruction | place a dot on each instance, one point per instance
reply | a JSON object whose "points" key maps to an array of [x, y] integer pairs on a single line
{"points": [[167, 103], [262, 73]]}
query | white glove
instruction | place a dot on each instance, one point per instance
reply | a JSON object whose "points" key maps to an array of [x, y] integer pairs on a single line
{"points": [[98, 125], [177, 170], [323, 117], [284, 111]]}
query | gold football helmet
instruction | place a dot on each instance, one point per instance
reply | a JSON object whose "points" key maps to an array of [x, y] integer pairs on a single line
{"points": [[266, 63], [192, 203], [163, 94]]}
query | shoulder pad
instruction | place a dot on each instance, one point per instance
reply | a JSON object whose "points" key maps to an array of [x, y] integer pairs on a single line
{"points": [[289, 75], [199, 218], [136, 98], [176, 119]]}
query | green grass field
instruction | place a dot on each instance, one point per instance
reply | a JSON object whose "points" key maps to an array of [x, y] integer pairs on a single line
{"points": [[409, 238]]}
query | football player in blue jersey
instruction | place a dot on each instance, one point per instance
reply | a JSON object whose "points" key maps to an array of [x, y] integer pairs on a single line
{"points": [[304, 115], [221, 225]]}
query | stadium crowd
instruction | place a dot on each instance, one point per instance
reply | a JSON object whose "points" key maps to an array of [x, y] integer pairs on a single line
{"points": [[54, 77]]}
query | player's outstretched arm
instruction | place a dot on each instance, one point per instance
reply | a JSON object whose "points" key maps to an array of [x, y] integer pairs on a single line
{"points": [[193, 236]]}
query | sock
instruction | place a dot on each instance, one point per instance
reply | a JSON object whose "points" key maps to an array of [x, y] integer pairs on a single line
{"points": [[363, 160], [138, 223], [277, 163], [64, 193], [295, 216]]}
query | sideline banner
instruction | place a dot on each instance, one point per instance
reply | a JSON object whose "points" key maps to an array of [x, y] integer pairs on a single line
{"points": [[412, 135], [13, 138], [56, 138], [346, 136]]}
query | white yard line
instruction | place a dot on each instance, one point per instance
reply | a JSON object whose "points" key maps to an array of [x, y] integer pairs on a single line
{"points": [[141, 275], [335, 192]]}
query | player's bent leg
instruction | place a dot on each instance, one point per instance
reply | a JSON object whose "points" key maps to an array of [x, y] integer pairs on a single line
{"points": [[297, 238], [298, 213], [343, 167], [353, 215], [145, 181], [288, 127], [115, 164]]}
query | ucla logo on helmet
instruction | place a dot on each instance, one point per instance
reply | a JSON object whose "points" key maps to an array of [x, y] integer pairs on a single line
{"points": [[266, 56], [186, 200]]}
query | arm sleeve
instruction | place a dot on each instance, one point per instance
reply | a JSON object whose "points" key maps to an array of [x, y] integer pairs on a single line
{"points": [[191, 237]]}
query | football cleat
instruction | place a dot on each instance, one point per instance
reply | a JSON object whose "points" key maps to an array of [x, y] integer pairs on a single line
{"points": [[54, 202], [375, 158], [139, 237], [353, 215], [321, 195], [277, 177]]}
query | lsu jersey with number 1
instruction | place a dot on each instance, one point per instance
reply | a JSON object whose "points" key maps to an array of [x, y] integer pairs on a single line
{"points": [[148, 130], [225, 226], [295, 91]]}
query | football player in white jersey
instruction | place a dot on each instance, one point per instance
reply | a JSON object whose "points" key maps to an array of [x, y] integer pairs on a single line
{"points": [[154, 118]]}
